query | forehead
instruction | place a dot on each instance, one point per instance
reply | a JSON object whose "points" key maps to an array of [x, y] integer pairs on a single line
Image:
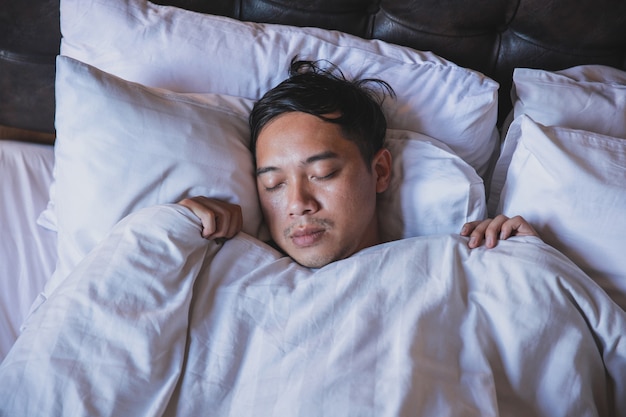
{"points": [[298, 134]]}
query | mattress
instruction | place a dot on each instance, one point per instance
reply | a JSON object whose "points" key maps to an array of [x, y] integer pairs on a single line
{"points": [[27, 250]]}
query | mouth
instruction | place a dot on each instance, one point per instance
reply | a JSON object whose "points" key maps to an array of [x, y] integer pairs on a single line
{"points": [[307, 236]]}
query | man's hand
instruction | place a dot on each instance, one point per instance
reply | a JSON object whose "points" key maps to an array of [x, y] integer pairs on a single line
{"points": [[219, 218], [490, 230]]}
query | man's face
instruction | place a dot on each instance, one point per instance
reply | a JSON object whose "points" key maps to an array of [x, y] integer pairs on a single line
{"points": [[317, 194]]}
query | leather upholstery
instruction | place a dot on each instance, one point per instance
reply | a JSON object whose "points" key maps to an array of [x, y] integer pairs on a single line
{"points": [[491, 36]]}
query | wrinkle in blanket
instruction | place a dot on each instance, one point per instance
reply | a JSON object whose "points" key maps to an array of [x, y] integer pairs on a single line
{"points": [[420, 326]]}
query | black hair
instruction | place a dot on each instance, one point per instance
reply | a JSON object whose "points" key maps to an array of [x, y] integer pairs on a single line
{"points": [[324, 91]]}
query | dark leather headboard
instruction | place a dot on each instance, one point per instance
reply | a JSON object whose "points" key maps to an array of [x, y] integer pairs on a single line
{"points": [[491, 36], [29, 41]]}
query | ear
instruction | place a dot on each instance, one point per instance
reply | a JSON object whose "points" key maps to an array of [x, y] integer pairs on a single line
{"points": [[381, 166]]}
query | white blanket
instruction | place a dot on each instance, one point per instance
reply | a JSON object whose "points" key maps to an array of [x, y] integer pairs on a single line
{"points": [[157, 321]]}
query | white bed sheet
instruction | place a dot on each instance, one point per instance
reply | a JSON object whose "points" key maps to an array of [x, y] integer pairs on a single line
{"points": [[156, 321], [27, 251]]}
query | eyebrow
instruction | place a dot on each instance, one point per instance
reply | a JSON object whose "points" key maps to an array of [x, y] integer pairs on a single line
{"points": [[310, 160]]}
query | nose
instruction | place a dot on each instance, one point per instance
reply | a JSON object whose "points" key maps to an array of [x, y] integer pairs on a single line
{"points": [[301, 199]]}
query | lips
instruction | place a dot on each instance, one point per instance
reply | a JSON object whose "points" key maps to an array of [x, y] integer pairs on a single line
{"points": [[307, 236]]}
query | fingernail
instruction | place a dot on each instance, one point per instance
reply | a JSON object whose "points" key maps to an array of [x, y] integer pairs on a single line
{"points": [[472, 241]]}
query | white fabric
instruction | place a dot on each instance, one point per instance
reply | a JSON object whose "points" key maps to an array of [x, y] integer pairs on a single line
{"points": [[432, 190], [27, 251], [570, 185], [184, 51], [586, 97], [122, 146], [155, 322]]}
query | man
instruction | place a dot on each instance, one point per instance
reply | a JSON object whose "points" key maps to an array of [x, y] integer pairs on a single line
{"points": [[185, 329], [318, 141]]}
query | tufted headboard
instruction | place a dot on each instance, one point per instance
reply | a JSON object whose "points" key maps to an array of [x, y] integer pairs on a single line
{"points": [[491, 36]]}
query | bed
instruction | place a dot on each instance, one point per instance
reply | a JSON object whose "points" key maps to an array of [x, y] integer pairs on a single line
{"points": [[112, 303]]}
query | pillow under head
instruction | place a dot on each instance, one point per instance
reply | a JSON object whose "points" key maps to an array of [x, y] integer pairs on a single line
{"points": [[184, 51]]}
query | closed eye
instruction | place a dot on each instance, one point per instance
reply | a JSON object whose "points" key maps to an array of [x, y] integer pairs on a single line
{"points": [[273, 187], [324, 177]]}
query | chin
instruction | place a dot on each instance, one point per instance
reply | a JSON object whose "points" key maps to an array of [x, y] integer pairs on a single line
{"points": [[313, 265], [316, 260]]}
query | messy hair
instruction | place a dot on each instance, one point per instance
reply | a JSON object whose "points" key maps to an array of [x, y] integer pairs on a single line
{"points": [[320, 88]]}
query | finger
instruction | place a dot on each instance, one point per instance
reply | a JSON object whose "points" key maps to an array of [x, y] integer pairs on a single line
{"points": [[206, 216], [478, 232], [218, 219], [468, 227], [516, 226], [488, 231], [508, 228], [493, 231], [236, 222], [228, 223], [209, 224], [221, 225]]}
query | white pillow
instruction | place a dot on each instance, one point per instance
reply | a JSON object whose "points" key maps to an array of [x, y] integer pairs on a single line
{"points": [[587, 97], [570, 185], [432, 191], [183, 51], [122, 146]]}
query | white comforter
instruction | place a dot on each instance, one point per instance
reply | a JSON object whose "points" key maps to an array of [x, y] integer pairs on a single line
{"points": [[157, 321]]}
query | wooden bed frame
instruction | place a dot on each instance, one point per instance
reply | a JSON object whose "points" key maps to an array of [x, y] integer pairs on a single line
{"points": [[491, 36]]}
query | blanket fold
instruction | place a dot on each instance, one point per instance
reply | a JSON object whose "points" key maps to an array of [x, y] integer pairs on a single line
{"points": [[158, 322]]}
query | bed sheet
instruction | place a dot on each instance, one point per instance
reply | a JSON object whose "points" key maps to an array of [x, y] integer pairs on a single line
{"points": [[157, 321], [27, 251]]}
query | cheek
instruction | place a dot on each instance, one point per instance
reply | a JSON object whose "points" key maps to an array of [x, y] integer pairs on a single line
{"points": [[357, 194], [271, 207]]}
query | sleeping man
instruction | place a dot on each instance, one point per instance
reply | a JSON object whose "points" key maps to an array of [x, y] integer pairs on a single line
{"points": [[318, 142], [156, 321]]}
